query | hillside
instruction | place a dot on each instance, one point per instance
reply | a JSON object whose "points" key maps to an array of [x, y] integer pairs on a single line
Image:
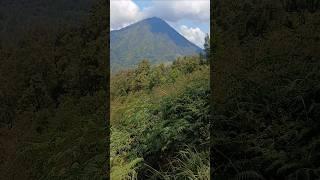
{"points": [[147, 39], [160, 120]]}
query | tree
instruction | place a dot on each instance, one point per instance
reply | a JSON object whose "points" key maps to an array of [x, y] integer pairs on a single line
{"points": [[201, 58], [206, 46], [142, 75]]}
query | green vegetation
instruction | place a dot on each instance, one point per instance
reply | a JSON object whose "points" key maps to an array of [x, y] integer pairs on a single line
{"points": [[160, 121], [266, 77], [16, 16], [151, 39], [53, 101]]}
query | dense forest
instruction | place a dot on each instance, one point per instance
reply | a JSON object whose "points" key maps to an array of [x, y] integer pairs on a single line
{"points": [[160, 120], [17, 16], [265, 87], [53, 100]]}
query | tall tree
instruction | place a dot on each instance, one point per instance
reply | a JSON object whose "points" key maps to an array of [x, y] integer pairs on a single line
{"points": [[206, 46]]}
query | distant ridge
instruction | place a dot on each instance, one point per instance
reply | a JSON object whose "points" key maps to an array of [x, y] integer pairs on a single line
{"points": [[151, 39]]}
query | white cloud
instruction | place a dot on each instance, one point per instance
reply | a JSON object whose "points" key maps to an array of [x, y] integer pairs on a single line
{"points": [[196, 10], [194, 35], [124, 13]]}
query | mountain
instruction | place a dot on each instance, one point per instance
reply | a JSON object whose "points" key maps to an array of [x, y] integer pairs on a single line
{"points": [[151, 39]]}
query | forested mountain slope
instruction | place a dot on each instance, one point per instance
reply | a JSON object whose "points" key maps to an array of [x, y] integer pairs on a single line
{"points": [[151, 39]]}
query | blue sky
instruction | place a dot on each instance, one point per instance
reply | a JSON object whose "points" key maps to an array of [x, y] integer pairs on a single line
{"points": [[191, 18]]}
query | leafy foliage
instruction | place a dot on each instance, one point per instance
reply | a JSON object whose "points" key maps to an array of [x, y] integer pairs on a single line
{"points": [[18, 15], [266, 92], [155, 112], [54, 87]]}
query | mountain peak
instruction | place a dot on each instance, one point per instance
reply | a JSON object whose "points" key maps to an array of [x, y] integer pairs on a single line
{"points": [[152, 39], [154, 19]]}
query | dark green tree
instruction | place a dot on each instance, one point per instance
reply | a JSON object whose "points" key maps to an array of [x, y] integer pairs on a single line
{"points": [[206, 46]]}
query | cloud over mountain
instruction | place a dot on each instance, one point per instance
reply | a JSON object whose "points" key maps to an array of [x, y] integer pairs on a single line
{"points": [[196, 10], [124, 13], [194, 35], [175, 12]]}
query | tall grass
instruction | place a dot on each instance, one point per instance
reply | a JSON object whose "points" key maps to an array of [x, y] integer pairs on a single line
{"points": [[189, 164]]}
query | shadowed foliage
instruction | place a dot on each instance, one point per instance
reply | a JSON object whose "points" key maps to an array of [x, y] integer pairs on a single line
{"points": [[266, 90], [53, 96]]}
